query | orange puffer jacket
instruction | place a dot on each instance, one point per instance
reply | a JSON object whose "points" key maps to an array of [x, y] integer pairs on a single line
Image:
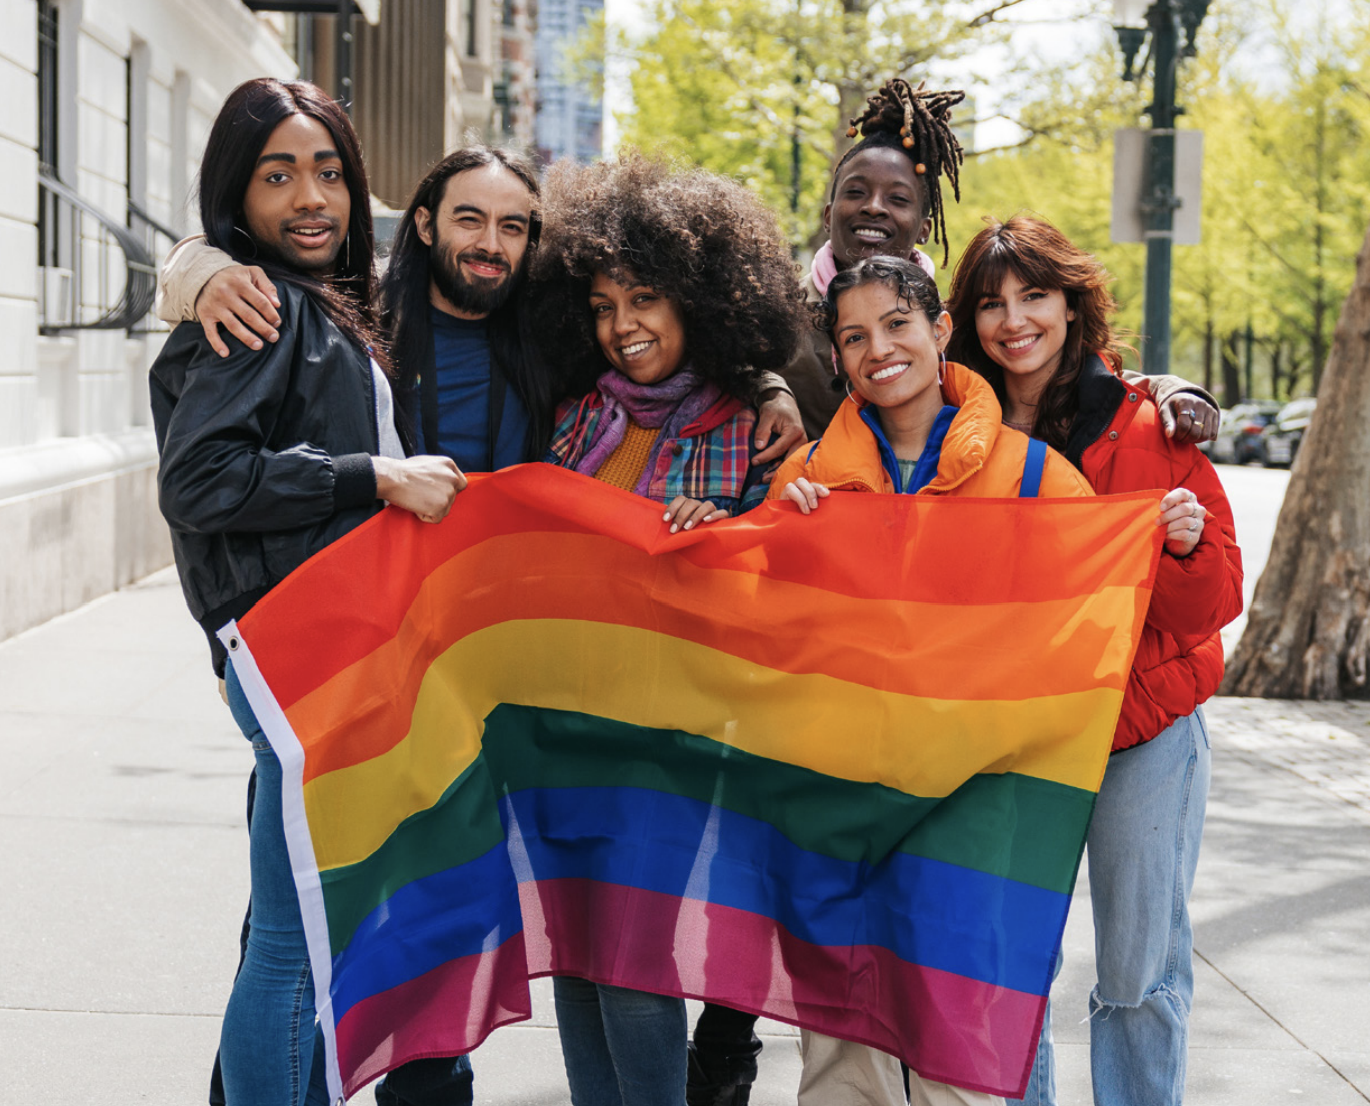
{"points": [[980, 455], [1118, 442]]}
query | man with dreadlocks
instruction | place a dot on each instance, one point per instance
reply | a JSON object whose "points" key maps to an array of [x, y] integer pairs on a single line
{"points": [[886, 199]]}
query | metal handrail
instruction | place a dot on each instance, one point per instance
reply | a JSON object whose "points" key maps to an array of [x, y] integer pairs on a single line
{"points": [[161, 228], [140, 271], [152, 324]]}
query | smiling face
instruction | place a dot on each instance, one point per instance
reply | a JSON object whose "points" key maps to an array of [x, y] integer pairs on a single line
{"points": [[478, 239], [889, 350], [878, 207], [640, 331], [297, 204], [1023, 328]]}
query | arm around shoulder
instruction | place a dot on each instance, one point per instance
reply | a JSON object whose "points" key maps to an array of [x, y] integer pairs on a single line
{"points": [[184, 274], [1164, 388]]}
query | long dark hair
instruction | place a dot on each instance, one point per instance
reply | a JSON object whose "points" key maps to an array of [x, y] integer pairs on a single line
{"points": [[405, 300], [1040, 256], [252, 111]]}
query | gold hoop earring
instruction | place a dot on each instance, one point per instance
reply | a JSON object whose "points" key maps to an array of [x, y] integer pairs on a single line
{"points": [[848, 387]]}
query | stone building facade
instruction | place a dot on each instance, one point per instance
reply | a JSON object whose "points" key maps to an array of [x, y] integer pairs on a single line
{"points": [[104, 110]]}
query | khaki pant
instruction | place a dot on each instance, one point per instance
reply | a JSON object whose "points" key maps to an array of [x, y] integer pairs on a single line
{"points": [[839, 1073]]}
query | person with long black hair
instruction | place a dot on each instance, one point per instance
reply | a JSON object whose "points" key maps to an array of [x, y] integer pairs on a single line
{"points": [[467, 381], [267, 456]]}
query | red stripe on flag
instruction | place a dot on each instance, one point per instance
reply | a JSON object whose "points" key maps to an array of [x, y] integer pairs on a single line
{"points": [[946, 1027], [445, 1012], [365, 582]]}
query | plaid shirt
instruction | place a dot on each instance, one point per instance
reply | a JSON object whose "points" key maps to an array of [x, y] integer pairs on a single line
{"points": [[710, 460]]}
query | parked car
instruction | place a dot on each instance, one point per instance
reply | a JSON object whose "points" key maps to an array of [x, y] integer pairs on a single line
{"points": [[1239, 432], [1280, 440]]}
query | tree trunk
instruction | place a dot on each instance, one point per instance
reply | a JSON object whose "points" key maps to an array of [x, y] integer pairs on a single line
{"points": [[1308, 636], [1209, 339], [1232, 380]]}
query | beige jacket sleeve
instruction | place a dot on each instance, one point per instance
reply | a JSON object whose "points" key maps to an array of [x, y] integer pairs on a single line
{"points": [[1163, 388], [184, 274]]}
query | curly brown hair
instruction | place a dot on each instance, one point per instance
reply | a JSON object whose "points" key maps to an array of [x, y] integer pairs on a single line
{"points": [[1040, 256], [700, 239]]}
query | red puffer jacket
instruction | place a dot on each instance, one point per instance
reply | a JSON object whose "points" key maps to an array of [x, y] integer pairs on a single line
{"points": [[1118, 442]]}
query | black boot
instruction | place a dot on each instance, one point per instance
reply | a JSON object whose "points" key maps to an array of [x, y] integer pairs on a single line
{"points": [[718, 1078]]}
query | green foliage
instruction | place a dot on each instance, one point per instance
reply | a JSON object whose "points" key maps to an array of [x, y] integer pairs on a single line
{"points": [[744, 87], [1064, 173], [741, 86]]}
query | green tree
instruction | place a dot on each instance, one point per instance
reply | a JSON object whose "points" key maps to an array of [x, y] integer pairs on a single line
{"points": [[1315, 140], [762, 89]]}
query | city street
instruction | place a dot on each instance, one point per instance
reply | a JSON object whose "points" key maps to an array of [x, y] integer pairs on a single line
{"points": [[125, 874]]}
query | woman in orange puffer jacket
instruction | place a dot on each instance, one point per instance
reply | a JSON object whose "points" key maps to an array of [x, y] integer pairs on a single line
{"points": [[914, 424], [1032, 314]]}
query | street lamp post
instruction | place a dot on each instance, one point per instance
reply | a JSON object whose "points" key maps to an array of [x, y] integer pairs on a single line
{"points": [[1164, 21]]}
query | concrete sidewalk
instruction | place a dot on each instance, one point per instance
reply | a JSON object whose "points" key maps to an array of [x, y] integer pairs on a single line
{"points": [[122, 784]]}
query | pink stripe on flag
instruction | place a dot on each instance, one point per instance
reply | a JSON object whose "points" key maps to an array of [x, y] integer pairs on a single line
{"points": [[946, 1027], [445, 1012]]}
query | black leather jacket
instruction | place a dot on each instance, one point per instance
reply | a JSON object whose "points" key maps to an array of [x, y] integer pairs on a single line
{"points": [[265, 455]]}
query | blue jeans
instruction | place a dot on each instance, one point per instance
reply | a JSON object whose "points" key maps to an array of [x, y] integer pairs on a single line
{"points": [[268, 1037], [621, 1047], [1143, 850]]}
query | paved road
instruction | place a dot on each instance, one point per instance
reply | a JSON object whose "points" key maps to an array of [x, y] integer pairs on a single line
{"points": [[124, 869], [1256, 495]]}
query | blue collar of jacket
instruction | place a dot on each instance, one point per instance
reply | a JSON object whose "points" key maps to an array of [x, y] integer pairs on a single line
{"points": [[926, 468]]}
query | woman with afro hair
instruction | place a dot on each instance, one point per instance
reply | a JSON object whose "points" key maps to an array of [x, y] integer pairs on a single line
{"points": [[666, 294]]}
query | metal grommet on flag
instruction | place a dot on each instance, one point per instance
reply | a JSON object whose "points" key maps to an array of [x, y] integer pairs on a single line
{"points": [[233, 644]]}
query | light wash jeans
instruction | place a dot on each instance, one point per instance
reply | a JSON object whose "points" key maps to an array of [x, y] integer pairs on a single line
{"points": [[267, 1045], [621, 1047], [1143, 850]]}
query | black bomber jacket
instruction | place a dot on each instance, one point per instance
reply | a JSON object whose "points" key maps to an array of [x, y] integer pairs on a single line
{"points": [[265, 455]]}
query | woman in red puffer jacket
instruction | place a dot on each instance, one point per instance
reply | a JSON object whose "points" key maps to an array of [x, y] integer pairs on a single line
{"points": [[1031, 312]]}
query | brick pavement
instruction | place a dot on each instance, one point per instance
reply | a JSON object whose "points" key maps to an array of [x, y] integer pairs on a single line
{"points": [[1326, 744]]}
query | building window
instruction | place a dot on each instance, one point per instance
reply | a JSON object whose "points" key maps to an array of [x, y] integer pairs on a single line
{"points": [[471, 24], [48, 247], [47, 84]]}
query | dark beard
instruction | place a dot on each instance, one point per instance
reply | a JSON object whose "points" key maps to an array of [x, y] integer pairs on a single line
{"points": [[480, 296]]}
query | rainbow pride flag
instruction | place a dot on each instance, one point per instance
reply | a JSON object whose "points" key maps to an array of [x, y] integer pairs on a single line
{"points": [[836, 770]]}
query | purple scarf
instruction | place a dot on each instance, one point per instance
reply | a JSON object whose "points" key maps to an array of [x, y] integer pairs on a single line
{"points": [[671, 404]]}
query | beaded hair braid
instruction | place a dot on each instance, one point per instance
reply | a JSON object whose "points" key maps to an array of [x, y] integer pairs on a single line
{"points": [[922, 120]]}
